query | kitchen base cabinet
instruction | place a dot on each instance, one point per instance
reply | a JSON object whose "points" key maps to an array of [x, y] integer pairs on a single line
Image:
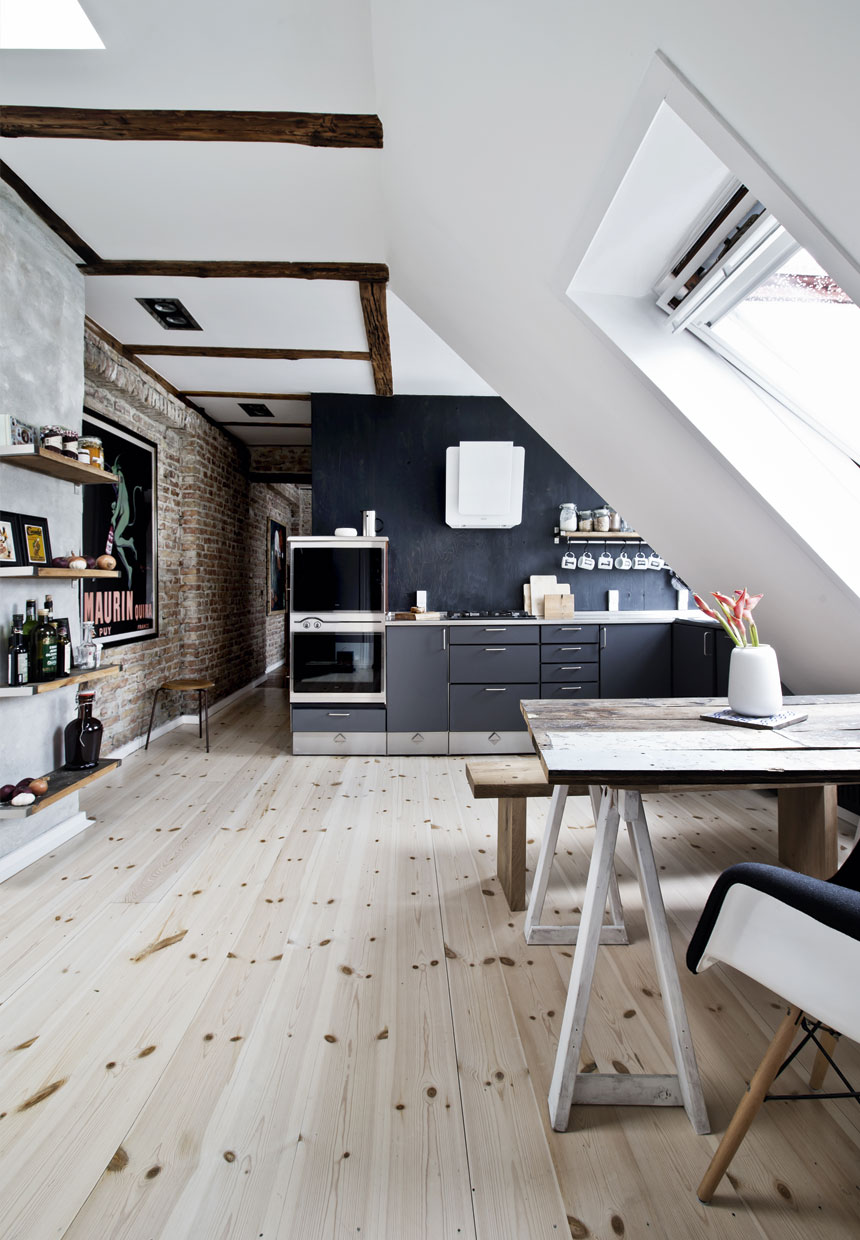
{"points": [[700, 660], [635, 660], [336, 729], [416, 677]]}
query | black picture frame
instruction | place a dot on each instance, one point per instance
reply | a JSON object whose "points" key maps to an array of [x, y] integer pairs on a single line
{"points": [[120, 519], [11, 546], [276, 568], [35, 541]]}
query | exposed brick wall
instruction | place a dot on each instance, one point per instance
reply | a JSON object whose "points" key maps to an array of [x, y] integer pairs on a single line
{"points": [[212, 547], [281, 460]]}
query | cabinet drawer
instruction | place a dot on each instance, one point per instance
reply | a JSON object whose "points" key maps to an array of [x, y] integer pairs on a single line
{"points": [[569, 673], [338, 719], [570, 689], [493, 634], [338, 743], [564, 634], [418, 742], [487, 708], [494, 663], [570, 652]]}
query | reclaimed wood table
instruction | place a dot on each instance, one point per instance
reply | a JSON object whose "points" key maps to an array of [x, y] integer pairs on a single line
{"points": [[625, 747]]}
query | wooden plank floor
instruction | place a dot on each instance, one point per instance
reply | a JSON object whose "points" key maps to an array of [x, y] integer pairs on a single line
{"points": [[279, 997]]}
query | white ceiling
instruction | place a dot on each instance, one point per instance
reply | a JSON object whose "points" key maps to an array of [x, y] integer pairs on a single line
{"points": [[228, 201]]}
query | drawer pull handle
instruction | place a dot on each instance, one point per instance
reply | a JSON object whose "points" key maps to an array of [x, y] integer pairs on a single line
{"points": [[492, 649], [495, 690], [502, 630], [572, 669], [571, 688], [576, 630], [570, 647], [338, 714]]}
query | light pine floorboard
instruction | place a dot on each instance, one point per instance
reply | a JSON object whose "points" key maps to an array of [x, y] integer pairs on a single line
{"points": [[278, 997]]}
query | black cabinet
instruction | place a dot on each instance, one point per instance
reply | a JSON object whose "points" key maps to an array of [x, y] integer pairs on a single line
{"points": [[700, 660], [490, 709], [496, 664], [417, 678], [635, 660]]}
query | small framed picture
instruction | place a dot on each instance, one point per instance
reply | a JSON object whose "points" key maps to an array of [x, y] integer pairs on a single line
{"points": [[277, 567], [35, 541], [11, 550]]}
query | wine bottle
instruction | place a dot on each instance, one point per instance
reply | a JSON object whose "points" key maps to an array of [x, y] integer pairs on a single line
{"points": [[43, 649], [64, 648], [18, 660], [49, 608], [30, 619]]}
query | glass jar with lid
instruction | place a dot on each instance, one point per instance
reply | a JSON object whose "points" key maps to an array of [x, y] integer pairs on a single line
{"points": [[600, 519], [92, 445], [586, 520], [614, 520], [567, 518]]}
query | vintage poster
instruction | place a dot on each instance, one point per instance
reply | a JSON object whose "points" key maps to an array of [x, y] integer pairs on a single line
{"points": [[120, 520]]}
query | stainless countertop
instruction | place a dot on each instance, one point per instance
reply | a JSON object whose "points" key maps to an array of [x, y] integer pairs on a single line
{"points": [[581, 617]]}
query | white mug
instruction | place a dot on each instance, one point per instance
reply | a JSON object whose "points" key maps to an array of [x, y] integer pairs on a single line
{"points": [[586, 561], [656, 561], [623, 561], [605, 560], [640, 560], [568, 560]]}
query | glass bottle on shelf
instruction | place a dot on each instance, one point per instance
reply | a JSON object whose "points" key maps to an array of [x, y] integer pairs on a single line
{"points": [[18, 660], [30, 618], [43, 649], [64, 648], [88, 652], [49, 608], [83, 735]]}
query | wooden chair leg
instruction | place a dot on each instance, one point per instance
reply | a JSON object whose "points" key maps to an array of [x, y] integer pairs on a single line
{"points": [[152, 717], [819, 1068], [749, 1105], [511, 851]]}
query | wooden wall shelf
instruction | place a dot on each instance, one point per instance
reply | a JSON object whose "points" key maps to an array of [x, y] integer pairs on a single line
{"points": [[595, 536], [62, 682], [60, 784], [46, 461], [33, 570]]}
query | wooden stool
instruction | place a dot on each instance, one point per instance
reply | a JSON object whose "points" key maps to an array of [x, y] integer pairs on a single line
{"points": [[201, 688]]}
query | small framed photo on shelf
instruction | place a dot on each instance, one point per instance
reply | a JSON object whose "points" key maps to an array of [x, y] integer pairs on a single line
{"points": [[35, 541], [11, 547]]}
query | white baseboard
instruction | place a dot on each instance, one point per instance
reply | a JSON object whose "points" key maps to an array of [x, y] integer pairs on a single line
{"points": [[122, 751], [273, 667], [42, 845]]}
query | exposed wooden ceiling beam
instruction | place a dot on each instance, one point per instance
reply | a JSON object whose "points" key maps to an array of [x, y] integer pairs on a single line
{"points": [[255, 395], [373, 307], [237, 270], [48, 215], [263, 424], [289, 355], [165, 125]]}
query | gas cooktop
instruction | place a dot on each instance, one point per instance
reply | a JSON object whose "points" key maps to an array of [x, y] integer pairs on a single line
{"points": [[490, 615]]}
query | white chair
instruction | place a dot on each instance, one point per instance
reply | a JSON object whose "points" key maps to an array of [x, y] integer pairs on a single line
{"points": [[800, 937]]}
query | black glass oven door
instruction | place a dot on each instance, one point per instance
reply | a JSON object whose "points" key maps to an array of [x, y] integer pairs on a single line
{"points": [[337, 664], [347, 579]]}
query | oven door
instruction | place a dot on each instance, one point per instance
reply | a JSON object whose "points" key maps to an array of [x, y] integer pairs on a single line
{"points": [[341, 577], [338, 662]]}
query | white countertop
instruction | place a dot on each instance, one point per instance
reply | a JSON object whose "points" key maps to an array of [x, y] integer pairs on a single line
{"points": [[580, 617]]}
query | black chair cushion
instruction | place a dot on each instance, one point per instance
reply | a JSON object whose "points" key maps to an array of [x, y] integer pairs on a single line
{"points": [[835, 902]]}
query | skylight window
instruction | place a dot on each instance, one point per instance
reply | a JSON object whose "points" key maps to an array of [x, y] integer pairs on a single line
{"points": [[764, 303], [46, 25]]}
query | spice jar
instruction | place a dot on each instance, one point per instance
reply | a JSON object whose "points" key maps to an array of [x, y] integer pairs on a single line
{"points": [[92, 445], [52, 437], [614, 520], [70, 444], [601, 520], [586, 522], [567, 518]]}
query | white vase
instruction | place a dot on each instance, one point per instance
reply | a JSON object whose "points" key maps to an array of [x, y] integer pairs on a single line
{"points": [[754, 687]]}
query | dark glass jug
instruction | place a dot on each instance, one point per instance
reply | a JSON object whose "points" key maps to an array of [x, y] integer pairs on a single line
{"points": [[83, 735]]}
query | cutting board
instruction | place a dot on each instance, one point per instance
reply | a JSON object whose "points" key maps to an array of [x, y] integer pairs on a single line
{"points": [[545, 585]]}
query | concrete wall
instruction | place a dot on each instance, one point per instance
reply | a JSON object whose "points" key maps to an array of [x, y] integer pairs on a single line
{"points": [[502, 123]]}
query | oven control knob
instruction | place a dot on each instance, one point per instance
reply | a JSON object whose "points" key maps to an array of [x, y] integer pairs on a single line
{"points": [[317, 624]]}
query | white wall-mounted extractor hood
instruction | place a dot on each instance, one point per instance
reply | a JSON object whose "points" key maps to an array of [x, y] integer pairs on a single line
{"points": [[484, 485]]}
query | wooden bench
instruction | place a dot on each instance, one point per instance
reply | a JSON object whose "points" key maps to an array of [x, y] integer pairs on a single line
{"points": [[512, 781]]}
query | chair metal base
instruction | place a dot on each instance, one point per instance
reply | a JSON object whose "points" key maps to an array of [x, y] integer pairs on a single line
{"points": [[202, 691]]}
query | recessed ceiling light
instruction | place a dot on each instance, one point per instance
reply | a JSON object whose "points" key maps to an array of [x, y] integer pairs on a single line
{"points": [[60, 25], [170, 313], [256, 411]]}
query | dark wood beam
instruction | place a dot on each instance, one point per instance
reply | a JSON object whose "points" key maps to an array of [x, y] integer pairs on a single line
{"points": [[146, 125], [202, 350], [47, 215], [265, 424], [373, 307], [237, 270], [256, 395], [275, 476]]}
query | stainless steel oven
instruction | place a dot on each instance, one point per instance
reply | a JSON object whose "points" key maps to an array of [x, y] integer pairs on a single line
{"points": [[333, 660], [338, 601]]}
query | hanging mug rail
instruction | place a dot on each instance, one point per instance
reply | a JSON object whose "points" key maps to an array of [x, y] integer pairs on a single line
{"points": [[614, 536]]}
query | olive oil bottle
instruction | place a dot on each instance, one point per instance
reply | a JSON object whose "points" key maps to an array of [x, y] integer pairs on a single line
{"points": [[18, 661]]}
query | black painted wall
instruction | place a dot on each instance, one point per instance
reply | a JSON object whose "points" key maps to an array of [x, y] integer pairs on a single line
{"points": [[388, 453]]}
